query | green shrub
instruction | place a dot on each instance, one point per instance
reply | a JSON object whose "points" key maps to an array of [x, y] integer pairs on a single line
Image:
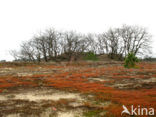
{"points": [[130, 60], [90, 56]]}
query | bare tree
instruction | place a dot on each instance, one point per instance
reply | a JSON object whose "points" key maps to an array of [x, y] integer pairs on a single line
{"points": [[110, 43], [42, 46], [70, 44], [136, 39], [92, 44], [14, 54], [116, 43], [27, 51], [119, 42], [37, 49], [53, 42]]}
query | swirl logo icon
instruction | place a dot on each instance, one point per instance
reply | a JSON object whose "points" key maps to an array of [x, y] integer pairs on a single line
{"points": [[125, 110]]}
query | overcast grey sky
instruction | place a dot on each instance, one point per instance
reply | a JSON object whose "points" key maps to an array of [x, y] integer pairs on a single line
{"points": [[21, 19]]}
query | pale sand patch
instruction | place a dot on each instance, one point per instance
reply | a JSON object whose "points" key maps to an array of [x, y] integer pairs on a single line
{"points": [[97, 79], [75, 113], [18, 115], [8, 68], [24, 74], [13, 115], [38, 95], [76, 104], [54, 96], [2, 98], [65, 114], [3, 70], [150, 80]]}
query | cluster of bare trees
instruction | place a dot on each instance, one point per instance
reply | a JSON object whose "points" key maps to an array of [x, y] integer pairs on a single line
{"points": [[122, 41], [116, 43]]}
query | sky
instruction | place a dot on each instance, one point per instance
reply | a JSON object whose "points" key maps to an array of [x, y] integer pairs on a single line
{"points": [[21, 19]]}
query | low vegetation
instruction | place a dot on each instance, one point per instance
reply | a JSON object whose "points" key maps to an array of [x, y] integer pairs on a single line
{"points": [[69, 74], [105, 87]]}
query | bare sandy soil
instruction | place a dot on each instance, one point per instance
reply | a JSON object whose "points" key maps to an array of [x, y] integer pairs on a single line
{"points": [[74, 90], [38, 102]]}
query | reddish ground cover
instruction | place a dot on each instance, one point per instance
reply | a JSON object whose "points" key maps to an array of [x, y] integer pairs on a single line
{"points": [[77, 80]]}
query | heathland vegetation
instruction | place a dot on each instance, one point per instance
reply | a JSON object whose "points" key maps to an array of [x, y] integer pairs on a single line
{"points": [[64, 74]]}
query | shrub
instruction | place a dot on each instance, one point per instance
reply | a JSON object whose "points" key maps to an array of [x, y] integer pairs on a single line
{"points": [[130, 60], [90, 56]]}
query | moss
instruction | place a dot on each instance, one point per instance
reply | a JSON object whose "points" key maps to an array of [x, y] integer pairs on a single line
{"points": [[92, 113]]}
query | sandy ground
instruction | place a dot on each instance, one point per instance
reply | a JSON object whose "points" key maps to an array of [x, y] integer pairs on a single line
{"points": [[45, 101], [13, 103]]}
